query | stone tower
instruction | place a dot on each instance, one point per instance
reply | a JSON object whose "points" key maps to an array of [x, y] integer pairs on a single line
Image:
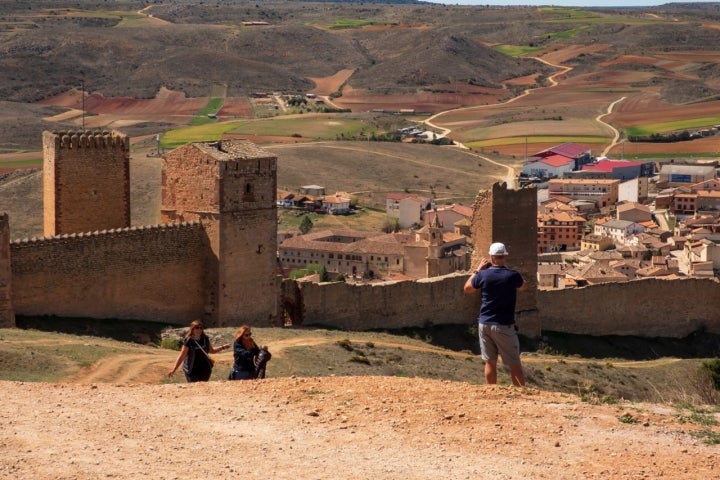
{"points": [[86, 181], [230, 186], [510, 217], [435, 246], [7, 313]]}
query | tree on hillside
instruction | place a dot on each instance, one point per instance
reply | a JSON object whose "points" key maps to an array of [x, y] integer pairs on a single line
{"points": [[306, 225]]}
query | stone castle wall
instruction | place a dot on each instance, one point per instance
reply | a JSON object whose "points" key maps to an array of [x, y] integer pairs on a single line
{"points": [[433, 301], [7, 313], [151, 273], [645, 308], [86, 181]]}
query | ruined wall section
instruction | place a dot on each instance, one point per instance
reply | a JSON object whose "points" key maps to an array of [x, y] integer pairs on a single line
{"points": [[7, 312], [86, 181], [646, 308], [145, 273]]}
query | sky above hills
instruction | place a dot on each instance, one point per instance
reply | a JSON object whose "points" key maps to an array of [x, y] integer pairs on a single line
{"points": [[568, 3]]}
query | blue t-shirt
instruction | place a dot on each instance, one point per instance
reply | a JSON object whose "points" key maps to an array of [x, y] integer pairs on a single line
{"points": [[498, 287]]}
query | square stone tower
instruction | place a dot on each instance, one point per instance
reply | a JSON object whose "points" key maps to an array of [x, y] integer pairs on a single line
{"points": [[86, 181], [230, 186], [510, 217]]}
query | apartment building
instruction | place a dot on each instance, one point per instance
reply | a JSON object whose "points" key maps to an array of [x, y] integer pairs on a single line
{"points": [[603, 192]]}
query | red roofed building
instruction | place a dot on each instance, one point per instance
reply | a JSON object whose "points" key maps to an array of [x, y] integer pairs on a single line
{"points": [[547, 167], [622, 170], [559, 231]]}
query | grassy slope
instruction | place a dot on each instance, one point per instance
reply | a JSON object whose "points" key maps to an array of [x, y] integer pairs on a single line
{"points": [[31, 355]]}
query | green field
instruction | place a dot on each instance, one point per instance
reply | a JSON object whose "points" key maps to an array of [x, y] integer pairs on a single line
{"points": [[672, 126], [312, 127]]}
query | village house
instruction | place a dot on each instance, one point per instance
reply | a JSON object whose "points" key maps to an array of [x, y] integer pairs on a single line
{"points": [[634, 212], [651, 243], [598, 269], [618, 230], [551, 275], [408, 208], [597, 243], [553, 205], [335, 205], [285, 199], [700, 198], [559, 231], [703, 257], [553, 166]]}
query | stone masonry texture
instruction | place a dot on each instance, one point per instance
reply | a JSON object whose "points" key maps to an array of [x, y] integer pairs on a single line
{"points": [[86, 181]]}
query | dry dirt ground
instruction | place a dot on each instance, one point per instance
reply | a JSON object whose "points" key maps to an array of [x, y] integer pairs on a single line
{"points": [[337, 428], [331, 428]]}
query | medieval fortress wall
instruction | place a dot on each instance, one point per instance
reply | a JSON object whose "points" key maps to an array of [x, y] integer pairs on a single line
{"points": [[215, 259], [145, 273], [646, 308]]}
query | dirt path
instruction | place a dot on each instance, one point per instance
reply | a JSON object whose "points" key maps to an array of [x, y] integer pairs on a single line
{"points": [[150, 365], [616, 133]]}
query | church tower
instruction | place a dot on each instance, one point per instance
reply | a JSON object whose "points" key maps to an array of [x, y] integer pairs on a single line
{"points": [[230, 186]]}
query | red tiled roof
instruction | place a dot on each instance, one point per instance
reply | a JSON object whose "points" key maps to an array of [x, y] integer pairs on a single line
{"points": [[556, 160], [608, 165], [569, 150]]}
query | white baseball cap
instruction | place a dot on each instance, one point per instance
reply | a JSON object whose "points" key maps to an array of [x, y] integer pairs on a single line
{"points": [[497, 249]]}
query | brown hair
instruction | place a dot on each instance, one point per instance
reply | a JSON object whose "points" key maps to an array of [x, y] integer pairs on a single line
{"points": [[193, 324], [247, 342]]}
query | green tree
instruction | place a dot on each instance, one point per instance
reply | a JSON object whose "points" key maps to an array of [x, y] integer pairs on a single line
{"points": [[391, 225], [306, 225]]}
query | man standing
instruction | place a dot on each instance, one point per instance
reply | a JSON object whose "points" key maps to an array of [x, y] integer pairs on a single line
{"points": [[496, 323]]}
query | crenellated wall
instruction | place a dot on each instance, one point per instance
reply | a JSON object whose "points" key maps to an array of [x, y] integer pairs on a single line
{"points": [[86, 181], [146, 273]]}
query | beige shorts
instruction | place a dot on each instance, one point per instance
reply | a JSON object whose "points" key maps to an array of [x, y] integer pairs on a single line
{"points": [[499, 340]]}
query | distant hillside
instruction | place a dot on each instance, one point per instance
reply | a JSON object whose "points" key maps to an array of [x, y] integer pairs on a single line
{"points": [[131, 49]]}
